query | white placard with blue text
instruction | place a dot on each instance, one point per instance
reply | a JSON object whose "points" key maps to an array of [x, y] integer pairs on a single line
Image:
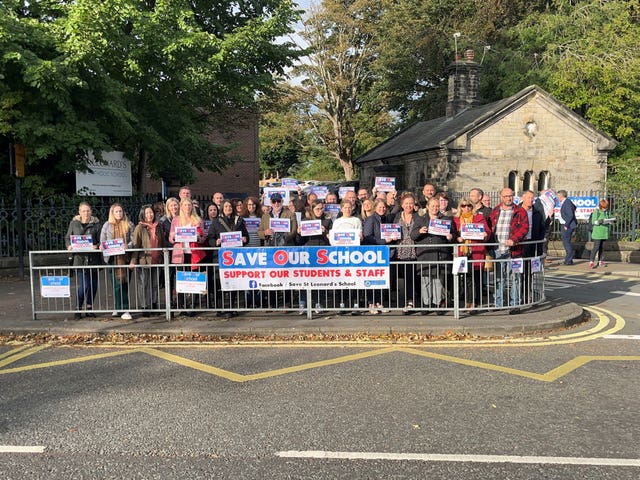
{"points": [[191, 282], [55, 287]]}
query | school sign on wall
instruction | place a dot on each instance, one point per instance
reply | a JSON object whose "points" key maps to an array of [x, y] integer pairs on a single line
{"points": [[315, 268]]}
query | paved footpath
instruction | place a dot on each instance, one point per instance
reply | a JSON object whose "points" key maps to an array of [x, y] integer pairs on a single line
{"points": [[555, 313]]}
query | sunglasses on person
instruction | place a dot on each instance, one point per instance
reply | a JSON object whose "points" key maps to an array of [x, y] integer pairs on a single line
{"points": [[276, 201], [465, 205]]}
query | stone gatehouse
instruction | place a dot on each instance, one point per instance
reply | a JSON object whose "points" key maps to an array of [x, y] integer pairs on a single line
{"points": [[529, 141]]}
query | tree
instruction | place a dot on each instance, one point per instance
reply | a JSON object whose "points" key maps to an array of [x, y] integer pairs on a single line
{"points": [[338, 78], [419, 45], [149, 77]]}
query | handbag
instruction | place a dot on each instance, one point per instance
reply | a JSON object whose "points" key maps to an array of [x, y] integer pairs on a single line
{"points": [[488, 262]]}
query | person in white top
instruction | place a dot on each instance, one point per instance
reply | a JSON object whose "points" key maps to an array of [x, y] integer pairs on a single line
{"points": [[344, 223]]}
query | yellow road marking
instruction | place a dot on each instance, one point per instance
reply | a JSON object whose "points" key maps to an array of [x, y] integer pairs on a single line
{"points": [[550, 376], [596, 332], [13, 351], [21, 353], [68, 361], [236, 377], [322, 363]]}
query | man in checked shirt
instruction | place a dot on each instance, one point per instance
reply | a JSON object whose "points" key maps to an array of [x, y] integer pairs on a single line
{"points": [[510, 227]]}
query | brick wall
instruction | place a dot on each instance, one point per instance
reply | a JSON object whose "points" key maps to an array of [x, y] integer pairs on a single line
{"points": [[241, 178]]}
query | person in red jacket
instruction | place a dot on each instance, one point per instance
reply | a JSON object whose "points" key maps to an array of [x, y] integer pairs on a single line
{"points": [[510, 226], [471, 224]]}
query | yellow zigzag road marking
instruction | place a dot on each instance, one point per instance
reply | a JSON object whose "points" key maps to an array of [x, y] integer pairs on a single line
{"points": [[14, 355], [550, 376], [20, 353], [271, 373], [13, 351], [68, 361]]}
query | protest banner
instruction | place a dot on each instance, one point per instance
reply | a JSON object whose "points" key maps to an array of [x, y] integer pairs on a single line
{"points": [[185, 234], [252, 224], [342, 191], [315, 268], [280, 224], [438, 226], [390, 231], [81, 243], [472, 231], [113, 247], [230, 239], [310, 227], [191, 282], [344, 237], [385, 184]]}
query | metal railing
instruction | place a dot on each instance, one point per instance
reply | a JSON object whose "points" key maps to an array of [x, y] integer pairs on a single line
{"points": [[415, 288]]}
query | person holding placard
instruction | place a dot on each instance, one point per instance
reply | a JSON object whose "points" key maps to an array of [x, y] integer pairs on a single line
{"points": [[532, 251], [510, 226], [601, 222], [228, 222], [115, 239], [314, 216], [372, 235], [148, 235], [252, 215], [433, 234], [277, 228], [350, 225], [83, 239], [473, 231], [187, 235]]}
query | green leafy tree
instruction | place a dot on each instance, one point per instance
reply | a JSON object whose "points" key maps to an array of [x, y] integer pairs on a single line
{"points": [[584, 53], [419, 45], [149, 77], [337, 80]]}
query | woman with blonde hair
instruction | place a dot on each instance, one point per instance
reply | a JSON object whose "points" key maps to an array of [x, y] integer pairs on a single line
{"points": [[473, 249], [187, 252], [171, 210], [118, 227], [367, 209]]}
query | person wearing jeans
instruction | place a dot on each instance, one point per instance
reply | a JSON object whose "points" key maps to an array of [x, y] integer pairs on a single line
{"points": [[510, 225]]}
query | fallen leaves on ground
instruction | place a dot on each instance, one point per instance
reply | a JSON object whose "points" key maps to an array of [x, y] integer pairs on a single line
{"points": [[148, 338]]}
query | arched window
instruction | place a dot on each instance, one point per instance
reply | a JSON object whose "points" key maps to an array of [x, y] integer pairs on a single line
{"points": [[543, 181], [528, 181], [513, 182]]}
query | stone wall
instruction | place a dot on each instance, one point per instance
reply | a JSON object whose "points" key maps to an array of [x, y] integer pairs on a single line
{"points": [[555, 142]]}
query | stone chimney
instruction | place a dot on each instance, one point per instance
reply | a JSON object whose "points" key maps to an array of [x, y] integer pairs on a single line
{"points": [[464, 84]]}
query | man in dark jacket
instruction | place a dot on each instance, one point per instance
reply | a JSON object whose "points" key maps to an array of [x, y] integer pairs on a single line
{"points": [[569, 224], [85, 225], [510, 226]]}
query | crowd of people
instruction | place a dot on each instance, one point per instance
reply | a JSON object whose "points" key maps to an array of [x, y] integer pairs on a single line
{"points": [[428, 228]]}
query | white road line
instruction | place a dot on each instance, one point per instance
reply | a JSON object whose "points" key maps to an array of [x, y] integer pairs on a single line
{"points": [[434, 457], [633, 294], [623, 337], [21, 449]]}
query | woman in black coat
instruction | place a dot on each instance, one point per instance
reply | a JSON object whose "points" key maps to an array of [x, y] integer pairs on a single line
{"points": [[434, 277]]}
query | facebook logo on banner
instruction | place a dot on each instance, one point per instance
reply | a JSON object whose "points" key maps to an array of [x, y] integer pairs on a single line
{"points": [[253, 284]]}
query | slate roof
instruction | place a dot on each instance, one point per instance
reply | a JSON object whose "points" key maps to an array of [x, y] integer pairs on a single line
{"points": [[432, 134]]}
